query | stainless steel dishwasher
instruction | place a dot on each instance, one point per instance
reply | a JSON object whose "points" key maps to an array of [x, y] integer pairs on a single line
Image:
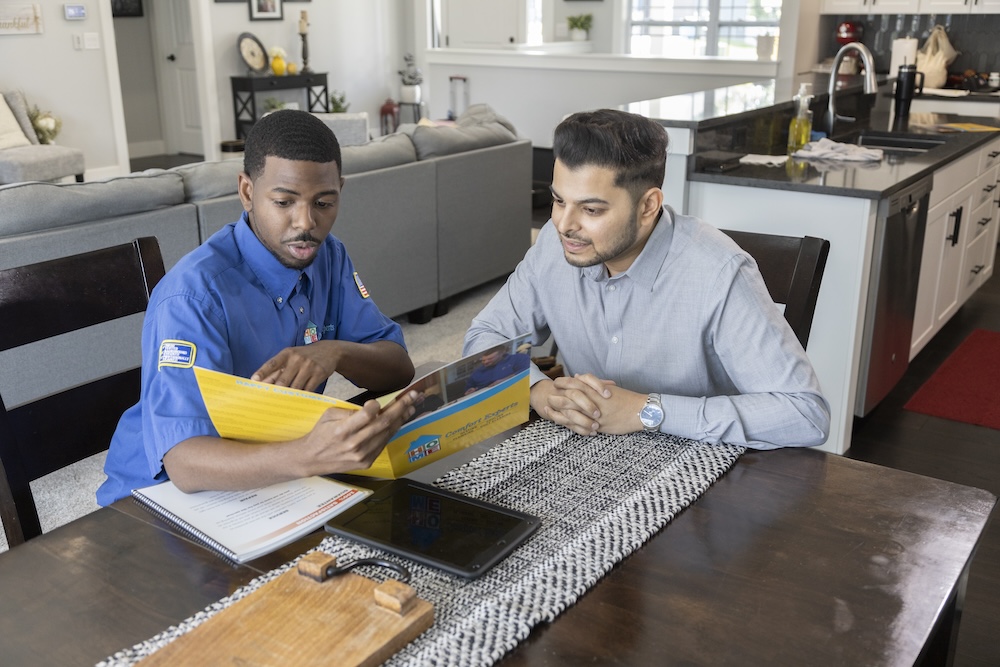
{"points": [[892, 293]]}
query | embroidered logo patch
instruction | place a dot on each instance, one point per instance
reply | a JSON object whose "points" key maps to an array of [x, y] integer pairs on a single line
{"points": [[361, 286], [177, 353], [312, 333]]}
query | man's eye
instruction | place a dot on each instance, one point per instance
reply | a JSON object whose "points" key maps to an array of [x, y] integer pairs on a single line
{"points": [[325, 204], [281, 202], [592, 211]]}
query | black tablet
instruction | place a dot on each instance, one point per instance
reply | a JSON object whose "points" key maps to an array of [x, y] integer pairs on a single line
{"points": [[460, 535]]}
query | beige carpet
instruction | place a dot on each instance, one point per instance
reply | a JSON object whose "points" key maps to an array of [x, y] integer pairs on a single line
{"points": [[69, 493]]}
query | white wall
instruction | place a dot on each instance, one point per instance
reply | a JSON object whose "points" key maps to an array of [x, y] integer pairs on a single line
{"points": [[134, 39]]}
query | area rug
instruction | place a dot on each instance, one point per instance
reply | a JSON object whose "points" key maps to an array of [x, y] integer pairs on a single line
{"points": [[599, 499], [966, 388]]}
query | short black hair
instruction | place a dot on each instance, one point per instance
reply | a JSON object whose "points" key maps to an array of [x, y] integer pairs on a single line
{"points": [[633, 146], [292, 135]]}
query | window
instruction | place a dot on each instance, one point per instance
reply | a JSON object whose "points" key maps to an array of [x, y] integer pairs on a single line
{"points": [[685, 28]]}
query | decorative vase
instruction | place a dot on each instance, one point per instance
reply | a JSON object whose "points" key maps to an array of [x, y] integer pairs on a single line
{"points": [[409, 94], [278, 66], [578, 35]]}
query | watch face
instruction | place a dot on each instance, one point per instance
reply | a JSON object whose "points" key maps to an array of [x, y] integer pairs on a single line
{"points": [[252, 52], [651, 415]]}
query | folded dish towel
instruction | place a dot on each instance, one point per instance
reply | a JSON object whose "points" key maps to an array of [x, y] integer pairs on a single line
{"points": [[825, 149], [766, 160]]}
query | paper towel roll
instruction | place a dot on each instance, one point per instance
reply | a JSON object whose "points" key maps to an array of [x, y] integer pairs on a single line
{"points": [[904, 52]]}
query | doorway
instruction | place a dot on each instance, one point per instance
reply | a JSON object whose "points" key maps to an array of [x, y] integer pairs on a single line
{"points": [[156, 61]]}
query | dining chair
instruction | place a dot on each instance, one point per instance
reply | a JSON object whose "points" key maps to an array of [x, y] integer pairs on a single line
{"points": [[39, 302], [792, 268]]}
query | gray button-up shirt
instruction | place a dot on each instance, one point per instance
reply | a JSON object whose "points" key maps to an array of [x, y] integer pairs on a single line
{"points": [[691, 319]]}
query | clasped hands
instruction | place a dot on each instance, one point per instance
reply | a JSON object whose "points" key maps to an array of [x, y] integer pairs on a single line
{"points": [[588, 405]]}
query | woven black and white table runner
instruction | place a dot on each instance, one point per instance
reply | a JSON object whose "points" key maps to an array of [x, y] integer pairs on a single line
{"points": [[599, 499]]}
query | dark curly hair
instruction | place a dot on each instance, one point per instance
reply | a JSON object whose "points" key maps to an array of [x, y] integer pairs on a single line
{"points": [[291, 135], [632, 146]]}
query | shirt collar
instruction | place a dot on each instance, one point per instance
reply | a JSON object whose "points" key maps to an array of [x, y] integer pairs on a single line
{"points": [[647, 265], [278, 280]]}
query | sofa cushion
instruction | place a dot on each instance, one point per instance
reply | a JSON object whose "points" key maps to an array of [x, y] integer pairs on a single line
{"points": [[444, 140], [388, 151], [39, 162], [11, 134], [19, 107], [205, 180], [34, 206], [478, 114]]}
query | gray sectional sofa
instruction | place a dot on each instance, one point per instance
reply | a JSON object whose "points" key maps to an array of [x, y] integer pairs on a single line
{"points": [[426, 213]]}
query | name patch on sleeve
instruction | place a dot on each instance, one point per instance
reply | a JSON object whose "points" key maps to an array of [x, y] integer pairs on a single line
{"points": [[176, 353], [361, 286]]}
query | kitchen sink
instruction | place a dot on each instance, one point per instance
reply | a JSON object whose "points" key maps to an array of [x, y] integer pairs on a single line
{"points": [[898, 141]]}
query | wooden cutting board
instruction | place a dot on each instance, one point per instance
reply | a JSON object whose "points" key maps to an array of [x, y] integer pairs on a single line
{"points": [[305, 618]]}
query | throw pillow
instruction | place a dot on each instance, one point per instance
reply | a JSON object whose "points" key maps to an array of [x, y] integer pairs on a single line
{"points": [[19, 107], [10, 130]]}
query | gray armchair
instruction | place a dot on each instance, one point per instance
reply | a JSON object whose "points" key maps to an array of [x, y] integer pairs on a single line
{"points": [[36, 161]]}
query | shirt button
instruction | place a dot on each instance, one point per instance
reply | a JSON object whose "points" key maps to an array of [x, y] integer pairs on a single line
{"points": [[300, 276], [280, 300], [611, 288], [614, 339], [301, 309]]}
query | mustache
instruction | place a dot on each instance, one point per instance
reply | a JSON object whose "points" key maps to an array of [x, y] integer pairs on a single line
{"points": [[302, 238]]}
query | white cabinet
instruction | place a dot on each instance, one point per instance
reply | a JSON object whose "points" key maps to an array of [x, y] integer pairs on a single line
{"points": [[484, 24], [959, 6], [870, 6], [960, 241]]}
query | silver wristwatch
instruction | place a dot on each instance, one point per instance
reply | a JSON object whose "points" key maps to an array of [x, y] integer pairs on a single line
{"points": [[651, 414]]}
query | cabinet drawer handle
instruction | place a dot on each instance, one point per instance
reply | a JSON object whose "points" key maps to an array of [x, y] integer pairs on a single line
{"points": [[957, 214], [985, 221], [994, 153], [978, 268], [990, 188]]}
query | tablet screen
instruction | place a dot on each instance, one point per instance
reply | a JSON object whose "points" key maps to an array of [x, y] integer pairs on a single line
{"points": [[461, 535]]}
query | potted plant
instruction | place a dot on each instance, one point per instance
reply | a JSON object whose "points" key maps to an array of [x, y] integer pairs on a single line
{"points": [[579, 26], [411, 78]]}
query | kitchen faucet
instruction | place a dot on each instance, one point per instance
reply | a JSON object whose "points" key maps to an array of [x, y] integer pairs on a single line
{"points": [[871, 85]]}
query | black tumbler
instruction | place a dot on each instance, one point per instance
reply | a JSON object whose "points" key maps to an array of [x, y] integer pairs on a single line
{"points": [[909, 82]]}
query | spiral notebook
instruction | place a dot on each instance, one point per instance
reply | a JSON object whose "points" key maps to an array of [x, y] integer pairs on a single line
{"points": [[243, 525]]}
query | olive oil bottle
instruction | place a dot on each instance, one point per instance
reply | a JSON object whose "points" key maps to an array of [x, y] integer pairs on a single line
{"points": [[800, 129]]}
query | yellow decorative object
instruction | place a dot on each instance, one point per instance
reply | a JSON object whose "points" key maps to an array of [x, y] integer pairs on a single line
{"points": [[293, 68], [278, 66]]}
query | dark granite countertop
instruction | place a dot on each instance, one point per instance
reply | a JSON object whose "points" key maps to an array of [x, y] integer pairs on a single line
{"points": [[868, 180]]}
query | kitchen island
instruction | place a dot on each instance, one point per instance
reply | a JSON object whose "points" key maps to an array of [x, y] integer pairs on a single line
{"points": [[845, 203]]}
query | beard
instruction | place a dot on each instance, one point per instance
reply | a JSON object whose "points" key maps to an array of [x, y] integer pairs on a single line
{"points": [[621, 243]]}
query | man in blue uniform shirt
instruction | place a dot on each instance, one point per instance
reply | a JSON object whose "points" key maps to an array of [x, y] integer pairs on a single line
{"points": [[273, 297], [495, 365], [663, 321]]}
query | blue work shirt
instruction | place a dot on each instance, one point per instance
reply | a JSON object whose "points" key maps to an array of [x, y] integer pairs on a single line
{"points": [[229, 306]]}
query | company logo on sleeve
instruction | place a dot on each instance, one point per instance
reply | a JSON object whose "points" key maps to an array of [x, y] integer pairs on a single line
{"points": [[361, 286], [176, 353]]}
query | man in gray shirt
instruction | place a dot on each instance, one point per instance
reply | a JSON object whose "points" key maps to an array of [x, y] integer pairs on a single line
{"points": [[663, 322]]}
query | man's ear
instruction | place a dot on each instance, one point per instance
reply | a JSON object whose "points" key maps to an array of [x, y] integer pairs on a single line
{"points": [[245, 188], [650, 204]]}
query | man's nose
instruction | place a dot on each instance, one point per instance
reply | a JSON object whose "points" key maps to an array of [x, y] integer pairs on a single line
{"points": [[564, 219], [303, 218]]}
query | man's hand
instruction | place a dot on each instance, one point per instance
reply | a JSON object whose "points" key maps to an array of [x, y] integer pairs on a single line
{"points": [[588, 405], [572, 401], [301, 367], [344, 440]]}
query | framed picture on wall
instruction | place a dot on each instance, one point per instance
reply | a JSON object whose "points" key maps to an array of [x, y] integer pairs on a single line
{"points": [[265, 10], [126, 8]]}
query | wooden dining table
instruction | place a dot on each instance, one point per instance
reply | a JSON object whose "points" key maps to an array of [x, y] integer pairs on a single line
{"points": [[794, 556]]}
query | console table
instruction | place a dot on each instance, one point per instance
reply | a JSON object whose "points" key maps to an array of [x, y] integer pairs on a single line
{"points": [[245, 89]]}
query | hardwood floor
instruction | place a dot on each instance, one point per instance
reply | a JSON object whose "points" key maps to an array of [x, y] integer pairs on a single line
{"points": [[954, 451], [162, 161]]}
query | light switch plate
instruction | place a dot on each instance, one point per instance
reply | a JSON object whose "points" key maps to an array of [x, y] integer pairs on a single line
{"points": [[91, 40]]}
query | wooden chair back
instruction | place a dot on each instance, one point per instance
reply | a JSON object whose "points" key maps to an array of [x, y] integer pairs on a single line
{"points": [[48, 299], [792, 268]]}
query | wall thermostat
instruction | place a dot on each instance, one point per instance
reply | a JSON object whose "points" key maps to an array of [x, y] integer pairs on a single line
{"points": [[75, 12]]}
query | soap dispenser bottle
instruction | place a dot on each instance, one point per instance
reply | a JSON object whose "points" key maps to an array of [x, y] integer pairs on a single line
{"points": [[800, 129]]}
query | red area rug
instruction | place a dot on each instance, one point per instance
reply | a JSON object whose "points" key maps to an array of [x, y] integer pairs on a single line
{"points": [[966, 388]]}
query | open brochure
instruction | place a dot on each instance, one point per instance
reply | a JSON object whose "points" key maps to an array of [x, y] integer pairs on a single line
{"points": [[243, 525], [464, 402]]}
